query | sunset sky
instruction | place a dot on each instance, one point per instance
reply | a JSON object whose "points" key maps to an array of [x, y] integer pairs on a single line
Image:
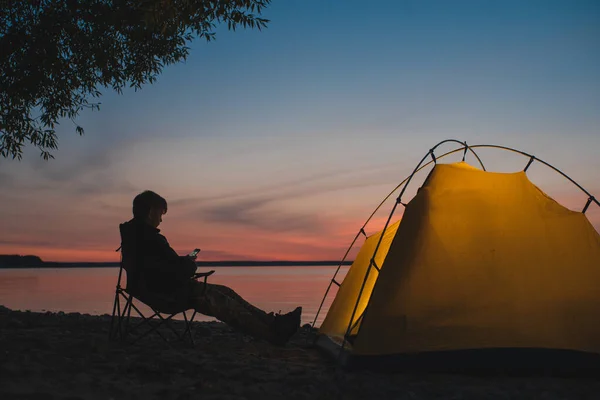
{"points": [[278, 144]]}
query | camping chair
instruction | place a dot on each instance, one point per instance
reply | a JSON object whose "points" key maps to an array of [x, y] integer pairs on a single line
{"points": [[163, 311]]}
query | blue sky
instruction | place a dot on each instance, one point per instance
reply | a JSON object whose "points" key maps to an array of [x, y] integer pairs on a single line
{"points": [[286, 139]]}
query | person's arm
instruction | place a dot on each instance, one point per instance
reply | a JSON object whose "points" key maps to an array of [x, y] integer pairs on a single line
{"points": [[185, 266], [162, 257]]}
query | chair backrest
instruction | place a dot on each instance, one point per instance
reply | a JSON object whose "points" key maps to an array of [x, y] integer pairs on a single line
{"points": [[132, 264]]}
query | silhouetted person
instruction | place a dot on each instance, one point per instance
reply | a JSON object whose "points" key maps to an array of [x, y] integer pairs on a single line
{"points": [[158, 269]]}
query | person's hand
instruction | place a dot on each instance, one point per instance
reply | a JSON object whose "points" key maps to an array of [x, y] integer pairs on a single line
{"points": [[193, 257]]}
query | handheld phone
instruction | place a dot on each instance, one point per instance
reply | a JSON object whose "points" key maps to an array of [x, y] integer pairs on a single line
{"points": [[194, 253]]}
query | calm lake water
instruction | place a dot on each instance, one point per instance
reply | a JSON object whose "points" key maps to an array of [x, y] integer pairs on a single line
{"points": [[91, 290]]}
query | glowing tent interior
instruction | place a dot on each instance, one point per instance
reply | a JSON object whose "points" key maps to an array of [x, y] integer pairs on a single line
{"points": [[483, 267]]}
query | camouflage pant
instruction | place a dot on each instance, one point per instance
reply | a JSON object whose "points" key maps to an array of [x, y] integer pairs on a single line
{"points": [[227, 306]]}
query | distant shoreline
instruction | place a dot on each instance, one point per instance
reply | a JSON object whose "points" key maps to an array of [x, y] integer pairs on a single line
{"points": [[234, 263]]}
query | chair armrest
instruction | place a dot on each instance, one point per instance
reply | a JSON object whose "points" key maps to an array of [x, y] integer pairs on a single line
{"points": [[203, 274]]}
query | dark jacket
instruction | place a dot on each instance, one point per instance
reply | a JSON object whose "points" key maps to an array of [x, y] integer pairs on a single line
{"points": [[151, 264]]}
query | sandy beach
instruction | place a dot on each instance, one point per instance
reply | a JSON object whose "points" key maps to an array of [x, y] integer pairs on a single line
{"points": [[68, 356]]}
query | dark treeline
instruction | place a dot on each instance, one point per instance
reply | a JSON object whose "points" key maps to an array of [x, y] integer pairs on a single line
{"points": [[15, 260]]}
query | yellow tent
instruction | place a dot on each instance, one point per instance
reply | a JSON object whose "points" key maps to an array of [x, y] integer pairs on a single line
{"points": [[480, 260]]}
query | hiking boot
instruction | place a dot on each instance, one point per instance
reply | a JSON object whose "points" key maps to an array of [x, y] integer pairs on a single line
{"points": [[286, 325]]}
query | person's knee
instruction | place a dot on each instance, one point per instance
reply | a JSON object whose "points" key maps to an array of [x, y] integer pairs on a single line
{"points": [[198, 288], [221, 288]]}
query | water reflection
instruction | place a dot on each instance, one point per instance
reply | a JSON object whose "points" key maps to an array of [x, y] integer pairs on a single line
{"points": [[91, 290]]}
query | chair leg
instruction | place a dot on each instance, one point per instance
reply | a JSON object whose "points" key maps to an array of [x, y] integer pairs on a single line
{"points": [[149, 321], [145, 320], [189, 327], [121, 324], [116, 322], [166, 322], [127, 321], [191, 331], [123, 321], [155, 327], [111, 334]]}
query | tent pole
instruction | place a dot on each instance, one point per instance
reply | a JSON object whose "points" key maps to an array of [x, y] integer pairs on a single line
{"points": [[362, 287], [334, 276], [531, 160], [589, 201]]}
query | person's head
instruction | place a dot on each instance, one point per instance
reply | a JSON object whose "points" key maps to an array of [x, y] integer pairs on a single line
{"points": [[150, 207]]}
